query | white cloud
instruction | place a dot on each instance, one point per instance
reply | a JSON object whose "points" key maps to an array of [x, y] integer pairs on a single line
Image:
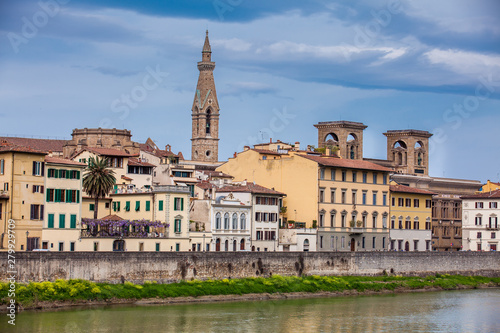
{"points": [[233, 44], [463, 62]]}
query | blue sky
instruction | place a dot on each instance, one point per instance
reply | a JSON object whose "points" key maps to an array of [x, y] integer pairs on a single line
{"points": [[281, 66]]}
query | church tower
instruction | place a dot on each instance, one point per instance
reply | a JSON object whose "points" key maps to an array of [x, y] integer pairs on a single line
{"points": [[205, 111]]}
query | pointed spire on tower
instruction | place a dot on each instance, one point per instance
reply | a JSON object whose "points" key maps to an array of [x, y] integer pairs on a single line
{"points": [[206, 46]]}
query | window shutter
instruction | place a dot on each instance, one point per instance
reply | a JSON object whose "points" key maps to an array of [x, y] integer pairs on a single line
{"points": [[160, 205], [61, 221], [34, 168], [175, 203], [33, 190], [148, 206], [43, 169], [68, 174], [41, 212], [51, 221], [137, 206], [73, 222], [78, 175], [47, 196], [182, 203], [56, 195], [41, 189], [118, 205], [68, 195]]}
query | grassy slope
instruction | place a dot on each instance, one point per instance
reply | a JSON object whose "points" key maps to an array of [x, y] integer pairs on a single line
{"points": [[28, 295]]}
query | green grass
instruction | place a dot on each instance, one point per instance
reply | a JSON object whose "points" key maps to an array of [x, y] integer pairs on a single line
{"points": [[74, 290]]}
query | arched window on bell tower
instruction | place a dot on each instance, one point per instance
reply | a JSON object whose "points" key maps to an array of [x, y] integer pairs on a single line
{"points": [[208, 122]]}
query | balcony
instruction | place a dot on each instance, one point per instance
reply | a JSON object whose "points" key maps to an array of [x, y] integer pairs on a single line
{"points": [[89, 233], [356, 230], [4, 194], [171, 188]]}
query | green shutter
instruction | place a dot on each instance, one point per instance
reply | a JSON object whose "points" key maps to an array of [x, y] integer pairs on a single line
{"points": [[127, 206], [47, 191], [148, 206], [68, 174], [147, 228], [57, 195], [77, 196], [182, 203], [73, 222], [78, 175], [61, 221], [160, 205], [177, 226], [137, 206], [68, 196], [51, 221], [175, 203], [91, 207], [157, 247]]}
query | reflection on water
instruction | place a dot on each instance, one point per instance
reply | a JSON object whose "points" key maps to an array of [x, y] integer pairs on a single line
{"points": [[452, 311]]}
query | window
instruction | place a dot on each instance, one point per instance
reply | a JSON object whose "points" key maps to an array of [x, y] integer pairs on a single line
{"points": [[383, 243], [374, 178], [363, 242], [428, 224], [373, 242], [343, 218], [321, 219], [384, 179], [393, 201], [408, 202], [354, 176], [61, 246], [235, 221], [393, 223], [321, 195], [2, 167], [374, 198], [332, 219], [148, 206], [415, 245], [106, 204], [36, 212], [321, 242], [428, 203], [479, 235], [342, 241], [62, 222], [178, 203], [493, 235], [50, 223], [157, 247], [160, 205], [479, 205], [38, 168], [332, 195], [177, 226], [479, 220], [384, 199], [226, 221], [408, 223], [37, 189], [72, 223], [5, 186], [416, 203], [479, 247], [177, 247], [344, 175], [96, 246], [321, 173], [72, 246], [374, 221], [137, 206], [493, 222], [401, 202], [493, 205], [364, 198], [91, 207], [332, 174], [354, 192], [343, 196], [365, 176], [243, 222], [416, 224], [400, 223], [127, 206], [217, 221]]}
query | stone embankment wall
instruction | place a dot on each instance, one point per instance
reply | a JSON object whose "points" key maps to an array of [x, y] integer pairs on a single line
{"points": [[137, 267]]}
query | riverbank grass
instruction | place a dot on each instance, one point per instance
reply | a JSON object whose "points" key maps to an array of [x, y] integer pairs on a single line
{"points": [[28, 295]]}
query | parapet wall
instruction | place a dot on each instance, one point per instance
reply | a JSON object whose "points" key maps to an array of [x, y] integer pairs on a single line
{"points": [[137, 267]]}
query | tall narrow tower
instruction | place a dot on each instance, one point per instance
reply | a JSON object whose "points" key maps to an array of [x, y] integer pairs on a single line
{"points": [[205, 111]]}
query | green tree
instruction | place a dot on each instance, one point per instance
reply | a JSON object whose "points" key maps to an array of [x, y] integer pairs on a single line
{"points": [[98, 179]]}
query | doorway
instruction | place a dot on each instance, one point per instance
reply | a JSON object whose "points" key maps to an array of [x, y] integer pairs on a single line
{"points": [[353, 245]]}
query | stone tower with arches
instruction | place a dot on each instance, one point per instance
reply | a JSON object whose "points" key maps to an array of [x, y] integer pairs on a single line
{"points": [[346, 135], [408, 150], [205, 111]]}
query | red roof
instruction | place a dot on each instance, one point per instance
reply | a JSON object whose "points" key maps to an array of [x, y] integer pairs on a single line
{"points": [[9, 147], [138, 162], [111, 217], [110, 152], [345, 163], [45, 145], [157, 152], [126, 178], [249, 187], [407, 189], [204, 185], [486, 195], [57, 160], [213, 173]]}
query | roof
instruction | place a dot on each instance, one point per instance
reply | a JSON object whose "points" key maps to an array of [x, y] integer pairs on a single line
{"points": [[9, 147], [138, 162], [249, 187], [345, 163], [407, 189], [57, 160], [157, 152], [107, 152], [266, 151], [112, 217], [487, 195], [45, 145], [126, 178], [204, 185], [213, 173]]}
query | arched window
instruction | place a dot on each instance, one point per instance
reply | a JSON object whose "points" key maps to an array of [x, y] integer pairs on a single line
{"points": [[352, 153], [226, 221], [208, 122], [243, 222], [419, 159], [226, 245], [235, 221], [242, 244], [306, 244], [217, 221]]}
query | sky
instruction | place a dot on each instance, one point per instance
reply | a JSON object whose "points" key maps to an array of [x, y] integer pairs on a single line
{"points": [[281, 67]]}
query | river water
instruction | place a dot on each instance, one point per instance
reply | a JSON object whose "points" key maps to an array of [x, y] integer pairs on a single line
{"points": [[446, 311]]}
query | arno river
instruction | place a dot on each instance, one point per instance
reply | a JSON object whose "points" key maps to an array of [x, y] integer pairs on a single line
{"points": [[446, 311]]}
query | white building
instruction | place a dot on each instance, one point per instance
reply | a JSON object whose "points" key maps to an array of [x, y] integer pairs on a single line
{"points": [[303, 239], [480, 221]]}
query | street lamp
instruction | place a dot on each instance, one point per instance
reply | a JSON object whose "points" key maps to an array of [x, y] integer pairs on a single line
{"points": [[27, 234]]}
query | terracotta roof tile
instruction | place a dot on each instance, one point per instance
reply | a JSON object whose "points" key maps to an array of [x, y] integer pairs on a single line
{"points": [[138, 162], [487, 195], [9, 147], [204, 185], [250, 187], [345, 163], [407, 189], [45, 145], [213, 173], [112, 217], [110, 152], [57, 160]]}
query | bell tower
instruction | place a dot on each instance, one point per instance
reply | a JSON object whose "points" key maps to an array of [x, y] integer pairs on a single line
{"points": [[205, 111]]}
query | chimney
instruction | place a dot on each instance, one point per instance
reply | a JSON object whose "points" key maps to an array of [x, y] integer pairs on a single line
{"points": [[245, 148], [297, 145], [244, 183], [235, 154], [270, 140]]}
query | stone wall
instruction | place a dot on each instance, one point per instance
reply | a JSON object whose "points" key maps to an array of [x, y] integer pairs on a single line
{"points": [[172, 266]]}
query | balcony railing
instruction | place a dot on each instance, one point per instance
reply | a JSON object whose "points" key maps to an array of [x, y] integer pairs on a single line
{"points": [[171, 188], [357, 230], [89, 233]]}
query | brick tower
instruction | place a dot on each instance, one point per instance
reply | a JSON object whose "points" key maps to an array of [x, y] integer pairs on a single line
{"points": [[347, 135], [409, 151], [205, 111]]}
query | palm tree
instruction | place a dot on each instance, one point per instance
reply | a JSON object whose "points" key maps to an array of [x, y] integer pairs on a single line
{"points": [[98, 179]]}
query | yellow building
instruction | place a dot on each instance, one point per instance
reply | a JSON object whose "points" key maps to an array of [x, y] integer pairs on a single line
{"points": [[159, 221], [411, 218], [489, 187], [346, 199], [21, 196], [88, 207], [63, 204]]}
